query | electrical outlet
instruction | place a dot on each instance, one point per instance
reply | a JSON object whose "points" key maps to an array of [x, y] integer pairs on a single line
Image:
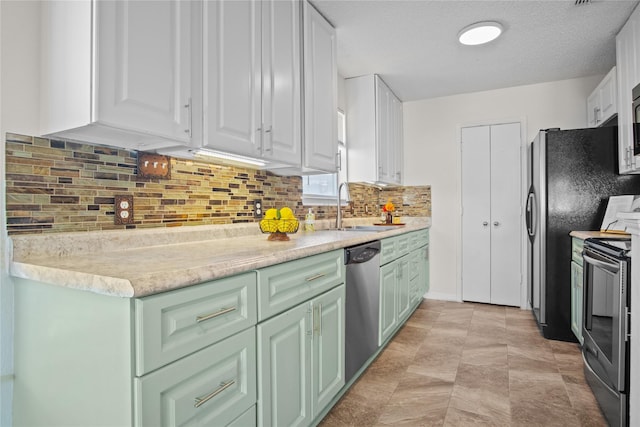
{"points": [[257, 208], [123, 209]]}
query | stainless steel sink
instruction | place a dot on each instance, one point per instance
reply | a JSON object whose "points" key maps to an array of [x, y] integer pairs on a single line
{"points": [[375, 228]]}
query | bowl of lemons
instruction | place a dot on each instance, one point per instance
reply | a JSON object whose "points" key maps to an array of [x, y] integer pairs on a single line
{"points": [[278, 223]]}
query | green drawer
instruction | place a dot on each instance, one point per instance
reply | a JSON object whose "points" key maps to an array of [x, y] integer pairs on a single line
{"points": [[285, 285], [211, 387], [393, 248], [576, 250], [173, 324], [418, 239]]}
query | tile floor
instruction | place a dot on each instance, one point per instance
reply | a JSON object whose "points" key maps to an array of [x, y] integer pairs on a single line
{"points": [[457, 364]]}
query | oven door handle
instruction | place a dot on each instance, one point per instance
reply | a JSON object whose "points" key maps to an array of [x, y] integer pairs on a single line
{"points": [[614, 268]]}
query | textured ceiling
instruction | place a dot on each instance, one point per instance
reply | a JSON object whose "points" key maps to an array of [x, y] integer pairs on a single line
{"points": [[413, 44]]}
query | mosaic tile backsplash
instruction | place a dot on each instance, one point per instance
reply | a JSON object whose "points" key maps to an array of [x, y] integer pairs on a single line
{"points": [[62, 186]]}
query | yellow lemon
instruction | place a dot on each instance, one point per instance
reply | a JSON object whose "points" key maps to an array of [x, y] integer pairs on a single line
{"points": [[271, 213], [286, 213]]}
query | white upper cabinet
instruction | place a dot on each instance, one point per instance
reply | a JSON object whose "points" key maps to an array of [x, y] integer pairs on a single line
{"points": [[374, 131], [628, 75], [320, 93], [251, 79], [602, 103], [117, 72]]}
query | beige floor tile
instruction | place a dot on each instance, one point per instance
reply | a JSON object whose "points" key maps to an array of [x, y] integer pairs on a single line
{"points": [[461, 364]]}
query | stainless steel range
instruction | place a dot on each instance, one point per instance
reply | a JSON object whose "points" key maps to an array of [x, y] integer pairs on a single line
{"points": [[605, 325]]}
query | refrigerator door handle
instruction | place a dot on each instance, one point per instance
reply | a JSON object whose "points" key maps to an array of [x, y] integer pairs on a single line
{"points": [[531, 225]]}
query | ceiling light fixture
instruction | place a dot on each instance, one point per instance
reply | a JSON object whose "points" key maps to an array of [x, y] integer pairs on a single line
{"points": [[480, 33]]}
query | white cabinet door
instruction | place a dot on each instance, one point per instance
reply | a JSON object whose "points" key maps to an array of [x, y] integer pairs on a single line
{"points": [[608, 96], [505, 214], [593, 104], [374, 131], [320, 92], [251, 81], [491, 187], [120, 72], [476, 214], [143, 62], [602, 103], [398, 139], [232, 72], [281, 80], [383, 129], [628, 76], [388, 133]]}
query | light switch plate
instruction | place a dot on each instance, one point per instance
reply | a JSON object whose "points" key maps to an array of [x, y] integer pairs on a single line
{"points": [[154, 166], [123, 209]]}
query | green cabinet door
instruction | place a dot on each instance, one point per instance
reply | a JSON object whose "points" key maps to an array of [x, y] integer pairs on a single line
{"points": [[403, 297], [424, 270], [576, 300], [284, 368], [328, 347], [301, 360], [387, 314]]}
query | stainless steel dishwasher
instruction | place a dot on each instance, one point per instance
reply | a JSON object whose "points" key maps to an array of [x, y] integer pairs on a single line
{"points": [[362, 305]]}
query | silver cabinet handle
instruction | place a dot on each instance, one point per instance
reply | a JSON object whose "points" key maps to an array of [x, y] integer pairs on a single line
{"points": [[496, 223], [317, 276], [338, 161], [223, 386], [216, 314], [190, 117], [485, 223], [317, 319]]}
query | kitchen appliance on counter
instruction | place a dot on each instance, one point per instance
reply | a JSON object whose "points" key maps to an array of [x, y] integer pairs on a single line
{"points": [[361, 305], [572, 173], [606, 325]]}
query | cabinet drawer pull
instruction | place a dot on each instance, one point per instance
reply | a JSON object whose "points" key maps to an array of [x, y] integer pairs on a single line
{"points": [[317, 276], [223, 386], [216, 314]]}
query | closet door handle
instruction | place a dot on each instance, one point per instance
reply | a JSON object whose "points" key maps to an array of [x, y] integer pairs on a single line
{"points": [[485, 223], [496, 223]]}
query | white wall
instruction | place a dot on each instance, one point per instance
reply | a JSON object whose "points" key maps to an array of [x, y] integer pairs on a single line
{"points": [[432, 152], [19, 68]]}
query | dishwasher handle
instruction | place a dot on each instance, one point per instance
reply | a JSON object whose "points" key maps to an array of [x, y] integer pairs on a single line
{"points": [[362, 253]]}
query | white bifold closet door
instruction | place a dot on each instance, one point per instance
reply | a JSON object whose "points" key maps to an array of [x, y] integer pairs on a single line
{"points": [[491, 211]]}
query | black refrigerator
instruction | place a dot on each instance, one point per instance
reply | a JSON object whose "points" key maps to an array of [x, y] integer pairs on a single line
{"points": [[572, 173]]}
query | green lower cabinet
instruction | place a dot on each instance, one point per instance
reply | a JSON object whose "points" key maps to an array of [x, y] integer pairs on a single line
{"points": [[245, 420], [395, 301], [424, 271], [301, 360], [404, 301], [213, 386], [576, 300], [388, 306], [328, 339]]}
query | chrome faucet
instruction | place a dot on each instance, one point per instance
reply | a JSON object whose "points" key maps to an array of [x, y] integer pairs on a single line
{"points": [[339, 209]]}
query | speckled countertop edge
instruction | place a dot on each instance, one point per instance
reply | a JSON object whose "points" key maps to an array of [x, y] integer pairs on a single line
{"points": [[588, 234], [136, 263]]}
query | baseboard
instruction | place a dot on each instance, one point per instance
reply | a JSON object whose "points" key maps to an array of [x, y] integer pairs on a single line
{"points": [[441, 296]]}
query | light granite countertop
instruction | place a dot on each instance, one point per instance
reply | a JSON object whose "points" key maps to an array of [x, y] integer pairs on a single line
{"points": [[589, 234], [135, 263]]}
